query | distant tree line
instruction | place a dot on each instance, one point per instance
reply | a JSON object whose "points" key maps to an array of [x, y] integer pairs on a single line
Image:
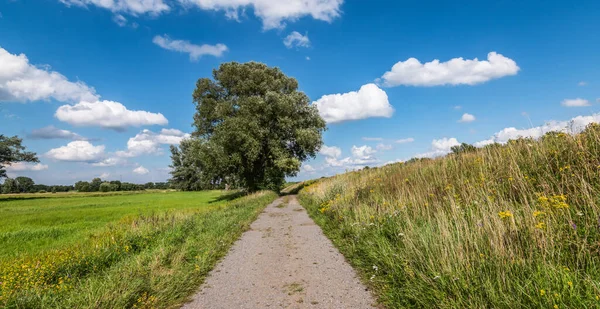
{"points": [[27, 185]]}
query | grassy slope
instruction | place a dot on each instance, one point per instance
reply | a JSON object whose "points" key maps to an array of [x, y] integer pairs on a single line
{"points": [[154, 252], [514, 226]]}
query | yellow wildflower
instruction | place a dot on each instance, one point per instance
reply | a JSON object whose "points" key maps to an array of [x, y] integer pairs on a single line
{"points": [[538, 213], [570, 284], [540, 225], [542, 292], [505, 214]]}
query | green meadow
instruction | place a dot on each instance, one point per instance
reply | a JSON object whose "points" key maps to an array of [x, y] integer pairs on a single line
{"points": [[141, 249]]}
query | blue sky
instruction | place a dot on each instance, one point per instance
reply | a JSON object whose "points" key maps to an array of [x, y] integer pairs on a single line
{"points": [[101, 88]]}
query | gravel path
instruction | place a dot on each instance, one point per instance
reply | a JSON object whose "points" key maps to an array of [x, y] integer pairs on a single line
{"points": [[283, 261]]}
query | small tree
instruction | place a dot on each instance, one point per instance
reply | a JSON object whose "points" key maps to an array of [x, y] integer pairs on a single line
{"points": [[104, 187], [464, 147], [82, 186], [25, 184], [95, 185], [10, 186], [11, 151], [253, 125]]}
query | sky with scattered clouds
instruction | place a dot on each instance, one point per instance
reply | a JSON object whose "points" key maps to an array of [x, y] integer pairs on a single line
{"points": [[103, 88]]}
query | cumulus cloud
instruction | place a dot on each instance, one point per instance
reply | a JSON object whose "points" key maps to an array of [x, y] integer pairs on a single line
{"points": [[439, 147], [108, 115], [466, 117], [21, 166], [111, 161], [133, 7], [333, 151], [457, 71], [296, 39], [308, 168], [369, 101], [273, 13], [195, 51], [77, 151], [148, 142], [405, 140], [579, 102], [140, 170], [52, 132], [23, 82], [361, 156], [575, 125], [362, 151]]}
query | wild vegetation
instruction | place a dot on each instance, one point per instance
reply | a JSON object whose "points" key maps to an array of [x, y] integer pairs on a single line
{"points": [[115, 250], [504, 226]]}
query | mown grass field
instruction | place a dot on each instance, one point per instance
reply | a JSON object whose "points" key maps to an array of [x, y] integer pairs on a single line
{"points": [[505, 226], [142, 250]]}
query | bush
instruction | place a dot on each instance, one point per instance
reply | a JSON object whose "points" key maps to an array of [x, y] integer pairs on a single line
{"points": [[42, 191], [105, 187]]}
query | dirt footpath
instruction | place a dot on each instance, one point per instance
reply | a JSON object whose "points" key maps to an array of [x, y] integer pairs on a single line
{"points": [[283, 261]]}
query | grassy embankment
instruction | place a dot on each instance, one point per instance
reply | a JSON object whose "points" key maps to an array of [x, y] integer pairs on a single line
{"points": [[512, 226], [145, 250]]}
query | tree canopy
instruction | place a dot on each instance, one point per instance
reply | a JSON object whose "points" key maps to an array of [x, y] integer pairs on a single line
{"points": [[11, 151], [253, 128]]}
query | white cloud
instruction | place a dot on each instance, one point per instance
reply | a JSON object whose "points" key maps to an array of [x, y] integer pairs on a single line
{"points": [[20, 166], [308, 168], [466, 117], [579, 102], [112, 161], [362, 151], [372, 139], [307, 58], [405, 140], [140, 170], [295, 39], [77, 151], [104, 175], [369, 101], [195, 51], [148, 142], [52, 132], [273, 13], [456, 71], [333, 151], [120, 20], [383, 147], [575, 125], [133, 7], [582, 83], [21, 81], [457, 107], [439, 147], [107, 114]]}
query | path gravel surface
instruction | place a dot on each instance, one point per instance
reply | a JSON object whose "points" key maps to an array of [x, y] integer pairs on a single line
{"points": [[283, 261]]}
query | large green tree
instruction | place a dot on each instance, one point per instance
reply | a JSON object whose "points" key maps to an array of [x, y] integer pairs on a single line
{"points": [[253, 126], [11, 151]]}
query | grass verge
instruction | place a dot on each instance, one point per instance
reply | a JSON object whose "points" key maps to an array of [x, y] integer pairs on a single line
{"points": [[147, 261]]}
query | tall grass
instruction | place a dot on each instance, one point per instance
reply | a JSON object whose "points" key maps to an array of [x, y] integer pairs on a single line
{"points": [[146, 261], [505, 226]]}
